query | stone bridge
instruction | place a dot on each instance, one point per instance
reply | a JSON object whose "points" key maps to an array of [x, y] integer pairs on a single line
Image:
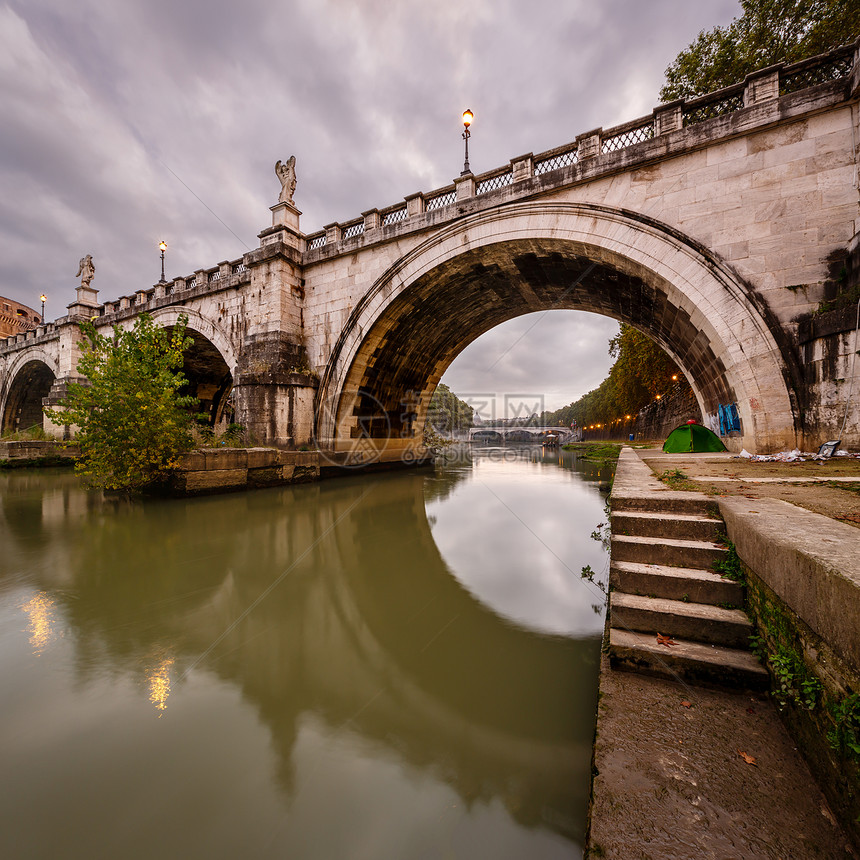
{"points": [[717, 226], [534, 432]]}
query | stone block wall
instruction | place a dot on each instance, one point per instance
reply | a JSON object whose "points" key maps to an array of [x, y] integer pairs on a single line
{"points": [[803, 576], [230, 469]]}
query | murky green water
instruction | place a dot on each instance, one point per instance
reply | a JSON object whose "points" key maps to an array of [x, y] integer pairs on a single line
{"points": [[394, 666]]}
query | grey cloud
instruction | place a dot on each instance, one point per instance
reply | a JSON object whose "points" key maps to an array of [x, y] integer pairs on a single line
{"points": [[100, 98]]}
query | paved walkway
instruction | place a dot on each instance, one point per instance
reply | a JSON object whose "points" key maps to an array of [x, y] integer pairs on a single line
{"points": [[672, 776], [671, 783]]}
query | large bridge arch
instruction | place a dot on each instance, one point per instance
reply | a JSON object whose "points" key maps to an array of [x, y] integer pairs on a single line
{"points": [[531, 256], [28, 380]]}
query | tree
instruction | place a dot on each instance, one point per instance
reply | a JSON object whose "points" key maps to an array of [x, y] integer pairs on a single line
{"points": [[768, 32], [132, 420], [448, 414], [642, 370]]}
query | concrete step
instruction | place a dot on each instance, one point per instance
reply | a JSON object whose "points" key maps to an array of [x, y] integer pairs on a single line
{"points": [[689, 661], [664, 501], [674, 525], [668, 551], [700, 622], [674, 583]]}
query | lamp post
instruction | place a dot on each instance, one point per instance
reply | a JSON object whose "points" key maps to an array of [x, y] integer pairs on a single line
{"points": [[468, 116], [44, 298], [162, 247]]}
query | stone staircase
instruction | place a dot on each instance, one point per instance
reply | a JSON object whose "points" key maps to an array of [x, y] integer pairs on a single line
{"points": [[662, 582]]}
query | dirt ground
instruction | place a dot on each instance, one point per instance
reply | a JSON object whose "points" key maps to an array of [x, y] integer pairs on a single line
{"points": [[672, 780], [839, 500]]}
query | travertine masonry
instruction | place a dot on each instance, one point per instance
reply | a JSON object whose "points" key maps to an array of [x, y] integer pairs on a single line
{"points": [[717, 226]]}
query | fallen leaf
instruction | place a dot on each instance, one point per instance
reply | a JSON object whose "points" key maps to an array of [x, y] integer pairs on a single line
{"points": [[749, 759], [686, 704], [665, 640]]}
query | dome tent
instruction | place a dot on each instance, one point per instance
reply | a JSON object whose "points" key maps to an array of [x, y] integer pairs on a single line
{"points": [[692, 437]]}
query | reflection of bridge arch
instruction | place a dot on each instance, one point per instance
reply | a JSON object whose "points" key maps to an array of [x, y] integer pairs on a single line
{"points": [[505, 262], [342, 638], [29, 380]]}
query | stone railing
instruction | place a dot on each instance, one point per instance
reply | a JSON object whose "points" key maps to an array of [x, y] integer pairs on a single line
{"points": [[760, 86], [227, 274], [43, 331]]}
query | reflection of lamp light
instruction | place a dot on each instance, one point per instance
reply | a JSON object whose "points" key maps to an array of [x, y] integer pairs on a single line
{"points": [[44, 298], [674, 377], [162, 247], [42, 620], [468, 116], [159, 683], [658, 396]]}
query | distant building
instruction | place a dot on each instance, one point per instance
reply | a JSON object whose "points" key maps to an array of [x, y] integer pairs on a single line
{"points": [[16, 318]]}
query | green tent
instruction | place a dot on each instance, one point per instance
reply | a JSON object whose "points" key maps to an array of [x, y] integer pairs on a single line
{"points": [[692, 437]]}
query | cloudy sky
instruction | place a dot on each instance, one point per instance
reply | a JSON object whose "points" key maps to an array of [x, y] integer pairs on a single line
{"points": [[128, 122]]}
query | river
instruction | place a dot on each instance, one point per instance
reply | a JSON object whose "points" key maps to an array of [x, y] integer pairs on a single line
{"points": [[399, 665]]}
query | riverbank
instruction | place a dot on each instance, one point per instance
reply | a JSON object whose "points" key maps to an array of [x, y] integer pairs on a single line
{"points": [[25, 454], [209, 471], [673, 775], [684, 773]]}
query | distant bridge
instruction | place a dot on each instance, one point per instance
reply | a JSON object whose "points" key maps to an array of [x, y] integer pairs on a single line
{"points": [[564, 434], [717, 226]]}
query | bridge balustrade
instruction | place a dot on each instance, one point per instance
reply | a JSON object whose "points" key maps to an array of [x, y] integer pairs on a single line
{"points": [[833, 66]]}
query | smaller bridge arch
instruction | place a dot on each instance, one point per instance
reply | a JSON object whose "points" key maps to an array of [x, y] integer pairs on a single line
{"points": [[210, 362], [28, 381]]}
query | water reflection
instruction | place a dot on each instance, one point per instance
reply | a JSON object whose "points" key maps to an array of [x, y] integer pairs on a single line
{"points": [[158, 677], [335, 680], [41, 621]]}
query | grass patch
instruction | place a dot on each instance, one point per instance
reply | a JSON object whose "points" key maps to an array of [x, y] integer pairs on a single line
{"points": [[233, 437], [677, 480], [30, 434], [729, 566], [599, 452], [840, 485]]}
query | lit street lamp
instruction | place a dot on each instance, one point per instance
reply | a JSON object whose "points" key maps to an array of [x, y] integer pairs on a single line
{"points": [[162, 247], [44, 298], [468, 116]]}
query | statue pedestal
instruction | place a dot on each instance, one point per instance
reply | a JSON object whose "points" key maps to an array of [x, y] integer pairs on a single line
{"points": [[86, 304], [285, 215]]}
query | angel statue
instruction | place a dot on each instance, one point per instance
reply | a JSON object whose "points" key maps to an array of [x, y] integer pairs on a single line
{"points": [[286, 172], [86, 270]]}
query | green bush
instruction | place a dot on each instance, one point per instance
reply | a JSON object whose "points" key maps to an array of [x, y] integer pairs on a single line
{"points": [[132, 421]]}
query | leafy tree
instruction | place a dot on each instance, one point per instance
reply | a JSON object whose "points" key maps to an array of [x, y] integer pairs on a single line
{"points": [[768, 32], [642, 370], [132, 420], [447, 413]]}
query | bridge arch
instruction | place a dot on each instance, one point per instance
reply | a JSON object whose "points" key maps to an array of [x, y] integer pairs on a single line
{"points": [[210, 363], [532, 256], [29, 378]]}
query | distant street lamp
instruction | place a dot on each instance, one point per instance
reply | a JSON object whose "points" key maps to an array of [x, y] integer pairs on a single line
{"points": [[162, 247], [44, 298], [468, 116]]}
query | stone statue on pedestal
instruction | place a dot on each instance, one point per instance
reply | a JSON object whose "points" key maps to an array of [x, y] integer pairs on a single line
{"points": [[86, 270], [286, 172]]}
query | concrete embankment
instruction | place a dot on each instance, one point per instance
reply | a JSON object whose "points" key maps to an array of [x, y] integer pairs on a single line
{"points": [[223, 470], [690, 771], [37, 452]]}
